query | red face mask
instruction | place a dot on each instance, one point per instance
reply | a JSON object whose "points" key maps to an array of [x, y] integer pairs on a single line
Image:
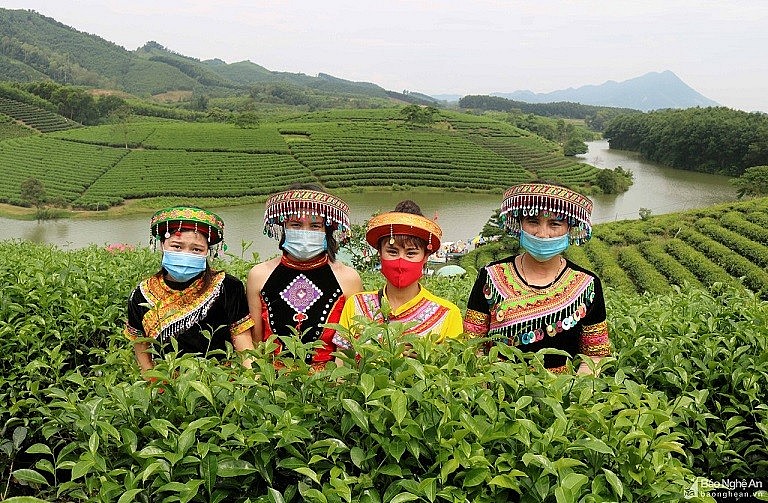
{"points": [[401, 272]]}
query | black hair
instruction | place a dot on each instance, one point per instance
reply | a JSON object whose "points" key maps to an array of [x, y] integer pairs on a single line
{"points": [[408, 206]]}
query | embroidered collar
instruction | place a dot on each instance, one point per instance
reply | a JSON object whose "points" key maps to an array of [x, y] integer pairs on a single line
{"points": [[313, 263], [172, 311]]}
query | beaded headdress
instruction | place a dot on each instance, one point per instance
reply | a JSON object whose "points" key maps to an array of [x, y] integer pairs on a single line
{"points": [[305, 202], [409, 224], [187, 218], [528, 199]]}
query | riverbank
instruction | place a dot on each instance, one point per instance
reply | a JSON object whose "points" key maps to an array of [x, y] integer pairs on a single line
{"points": [[128, 208], [150, 205]]}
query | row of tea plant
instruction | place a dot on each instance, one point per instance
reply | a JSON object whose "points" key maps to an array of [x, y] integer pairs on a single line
{"points": [[683, 399]]}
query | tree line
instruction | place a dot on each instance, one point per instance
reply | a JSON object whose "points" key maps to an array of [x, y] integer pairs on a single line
{"points": [[595, 117], [713, 140]]}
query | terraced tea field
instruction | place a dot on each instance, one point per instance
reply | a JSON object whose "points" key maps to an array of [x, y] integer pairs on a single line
{"points": [[340, 149]]}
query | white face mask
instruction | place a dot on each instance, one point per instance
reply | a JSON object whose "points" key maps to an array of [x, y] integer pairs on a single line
{"points": [[303, 244]]}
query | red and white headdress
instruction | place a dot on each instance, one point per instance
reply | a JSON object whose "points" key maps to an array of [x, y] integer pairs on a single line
{"points": [[533, 198], [305, 202]]}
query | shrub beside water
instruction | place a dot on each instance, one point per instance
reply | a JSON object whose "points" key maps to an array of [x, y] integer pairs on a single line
{"points": [[684, 398]]}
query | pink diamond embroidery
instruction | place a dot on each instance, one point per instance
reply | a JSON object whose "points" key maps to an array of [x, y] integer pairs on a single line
{"points": [[301, 293]]}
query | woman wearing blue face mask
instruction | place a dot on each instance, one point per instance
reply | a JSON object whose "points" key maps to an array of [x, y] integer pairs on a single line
{"points": [[306, 286], [538, 299], [186, 300]]}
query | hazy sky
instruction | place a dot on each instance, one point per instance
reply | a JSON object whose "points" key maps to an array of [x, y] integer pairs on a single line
{"points": [[720, 48]]}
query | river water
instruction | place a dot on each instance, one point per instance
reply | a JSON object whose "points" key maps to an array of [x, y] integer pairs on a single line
{"points": [[461, 216]]}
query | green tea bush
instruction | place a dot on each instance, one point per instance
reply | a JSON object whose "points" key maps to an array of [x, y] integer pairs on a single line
{"points": [[682, 398], [708, 352]]}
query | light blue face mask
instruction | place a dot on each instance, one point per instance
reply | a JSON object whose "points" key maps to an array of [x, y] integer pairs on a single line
{"points": [[182, 266], [303, 244], [543, 249]]}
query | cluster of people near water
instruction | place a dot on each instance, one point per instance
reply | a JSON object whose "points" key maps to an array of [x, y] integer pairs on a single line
{"points": [[533, 300]]}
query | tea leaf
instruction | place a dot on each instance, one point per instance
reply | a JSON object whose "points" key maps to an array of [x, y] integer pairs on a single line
{"points": [[19, 434], [93, 443], [475, 476], [275, 496], [367, 384], [449, 467], [129, 495], [185, 441], [39, 449], [574, 481], [357, 456], [392, 470], [81, 468], [358, 415], [429, 488], [615, 482], [400, 498], [162, 426], [151, 469], [506, 481], [203, 390], [29, 476], [45, 465], [399, 405], [234, 467]]}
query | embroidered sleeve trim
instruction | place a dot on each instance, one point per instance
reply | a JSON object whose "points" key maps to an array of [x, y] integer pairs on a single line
{"points": [[594, 340], [476, 322], [367, 305], [132, 333], [241, 325]]}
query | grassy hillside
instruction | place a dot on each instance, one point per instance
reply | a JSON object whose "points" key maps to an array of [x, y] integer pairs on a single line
{"points": [[10, 128], [36, 47], [340, 149], [67, 55], [725, 244]]}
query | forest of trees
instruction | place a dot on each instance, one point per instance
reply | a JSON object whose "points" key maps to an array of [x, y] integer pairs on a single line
{"points": [[712, 140], [594, 116]]}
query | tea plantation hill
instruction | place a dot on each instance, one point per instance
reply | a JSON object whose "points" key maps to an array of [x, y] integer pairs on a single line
{"points": [[725, 244], [91, 168]]}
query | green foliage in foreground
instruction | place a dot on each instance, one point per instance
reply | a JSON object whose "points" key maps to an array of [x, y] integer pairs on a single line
{"points": [[683, 398]]}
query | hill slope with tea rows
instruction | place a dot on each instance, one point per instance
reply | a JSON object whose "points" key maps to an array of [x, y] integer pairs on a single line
{"points": [[97, 167], [720, 244]]}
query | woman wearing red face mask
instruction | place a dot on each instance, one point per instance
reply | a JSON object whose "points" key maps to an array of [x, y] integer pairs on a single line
{"points": [[404, 239]]}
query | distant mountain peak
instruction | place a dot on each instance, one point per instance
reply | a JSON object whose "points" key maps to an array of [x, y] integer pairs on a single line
{"points": [[651, 91]]}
